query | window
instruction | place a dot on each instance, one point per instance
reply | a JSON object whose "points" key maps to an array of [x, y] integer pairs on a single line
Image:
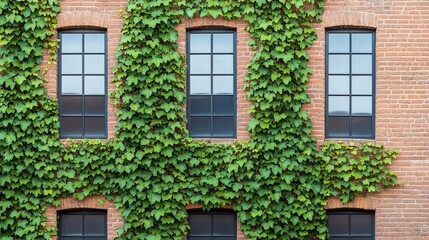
{"points": [[212, 226], [82, 72], [350, 81], [84, 225], [211, 83], [353, 225]]}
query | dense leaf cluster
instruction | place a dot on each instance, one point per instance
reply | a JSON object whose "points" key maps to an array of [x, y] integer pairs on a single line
{"points": [[278, 181]]}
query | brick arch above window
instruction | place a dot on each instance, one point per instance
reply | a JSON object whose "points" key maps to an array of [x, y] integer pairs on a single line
{"points": [[359, 203], [350, 19], [114, 219], [82, 20]]}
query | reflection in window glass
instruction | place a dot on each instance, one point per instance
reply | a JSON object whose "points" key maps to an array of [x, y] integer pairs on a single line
{"points": [[350, 84], [94, 43], [82, 224], [351, 225], [211, 102], [82, 80], [212, 225]]}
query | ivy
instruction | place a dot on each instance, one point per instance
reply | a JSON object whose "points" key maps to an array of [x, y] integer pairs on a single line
{"points": [[278, 181]]}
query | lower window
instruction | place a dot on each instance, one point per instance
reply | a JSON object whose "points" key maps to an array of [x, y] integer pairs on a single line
{"points": [[351, 225], [212, 226], [82, 225]]}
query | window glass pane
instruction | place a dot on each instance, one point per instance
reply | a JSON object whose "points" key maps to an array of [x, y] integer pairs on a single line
{"points": [[223, 105], [224, 238], [71, 64], [71, 85], [360, 224], [362, 127], [94, 64], [95, 224], [224, 224], [223, 64], [223, 85], [338, 224], [71, 238], [200, 238], [94, 85], [200, 224], [361, 43], [199, 127], [223, 43], [338, 238], [339, 85], [71, 126], [339, 64], [94, 43], [362, 85], [71, 224], [339, 43], [71, 105], [338, 127], [223, 126], [95, 238], [338, 105], [200, 105], [71, 43], [95, 105], [200, 85], [200, 64], [95, 126], [200, 43], [361, 238], [361, 105], [362, 64]]}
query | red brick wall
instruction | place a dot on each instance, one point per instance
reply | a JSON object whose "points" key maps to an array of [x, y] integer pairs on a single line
{"points": [[402, 79], [402, 105]]}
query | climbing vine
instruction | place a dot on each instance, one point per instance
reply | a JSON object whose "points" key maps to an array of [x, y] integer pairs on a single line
{"points": [[278, 182]]}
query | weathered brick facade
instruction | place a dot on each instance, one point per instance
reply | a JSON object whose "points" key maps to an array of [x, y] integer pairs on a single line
{"points": [[402, 93]]}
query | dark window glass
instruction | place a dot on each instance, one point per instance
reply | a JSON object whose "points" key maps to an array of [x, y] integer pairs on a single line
{"points": [[351, 225], [82, 80], [212, 225], [211, 80], [350, 81], [83, 225]]}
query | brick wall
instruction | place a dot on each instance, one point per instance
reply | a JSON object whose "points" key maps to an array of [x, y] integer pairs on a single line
{"points": [[402, 80], [402, 93]]}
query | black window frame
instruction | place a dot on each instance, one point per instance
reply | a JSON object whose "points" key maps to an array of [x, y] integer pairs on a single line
{"points": [[349, 213], [59, 83], [234, 95], [213, 213], [82, 212], [350, 74]]}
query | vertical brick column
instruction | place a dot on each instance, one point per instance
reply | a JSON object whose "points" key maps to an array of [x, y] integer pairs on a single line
{"points": [[244, 55], [90, 14]]}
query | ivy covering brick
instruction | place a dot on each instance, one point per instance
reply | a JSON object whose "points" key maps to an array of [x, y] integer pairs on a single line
{"points": [[278, 181]]}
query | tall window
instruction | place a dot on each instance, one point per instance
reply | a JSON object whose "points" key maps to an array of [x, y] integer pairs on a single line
{"points": [[350, 81], [82, 225], [82, 82], [353, 225], [212, 226], [211, 83]]}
